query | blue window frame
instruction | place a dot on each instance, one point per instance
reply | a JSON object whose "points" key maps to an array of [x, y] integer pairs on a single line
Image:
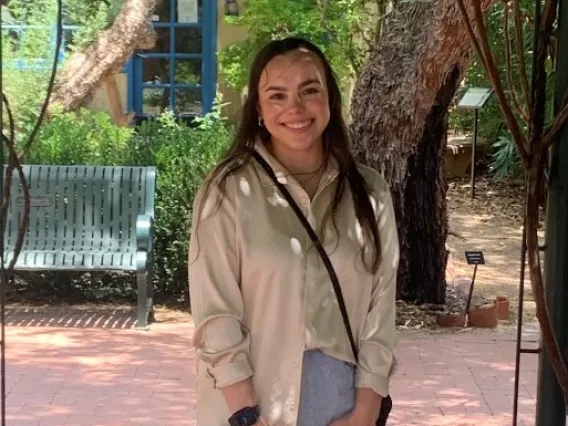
{"points": [[179, 74], [17, 32]]}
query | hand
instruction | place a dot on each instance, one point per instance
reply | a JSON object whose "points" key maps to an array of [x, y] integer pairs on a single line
{"points": [[352, 419], [343, 421], [261, 422]]}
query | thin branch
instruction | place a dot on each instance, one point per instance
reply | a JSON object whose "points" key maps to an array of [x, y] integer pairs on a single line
{"points": [[323, 8], [536, 127], [520, 44], [488, 63], [14, 163], [352, 59], [557, 123], [535, 175], [509, 66], [548, 17]]}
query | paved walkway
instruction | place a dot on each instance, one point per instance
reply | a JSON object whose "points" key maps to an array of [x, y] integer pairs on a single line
{"points": [[62, 374]]}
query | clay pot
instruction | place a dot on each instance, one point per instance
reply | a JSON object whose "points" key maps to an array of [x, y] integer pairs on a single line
{"points": [[503, 307], [450, 320], [483, 316]]}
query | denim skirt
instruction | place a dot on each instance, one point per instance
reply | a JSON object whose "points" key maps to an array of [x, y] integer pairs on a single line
{"points": [[327, 391]]}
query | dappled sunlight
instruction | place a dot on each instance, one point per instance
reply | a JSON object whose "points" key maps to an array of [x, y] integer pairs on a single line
{"points": [[101, 376], [461, 378], [128, 377]]}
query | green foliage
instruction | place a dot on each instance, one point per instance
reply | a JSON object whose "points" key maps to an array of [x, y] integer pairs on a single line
{"points": [[183, 154], [505, 159], [81, 137], [90, 15], [28, 54], [331, 27]]}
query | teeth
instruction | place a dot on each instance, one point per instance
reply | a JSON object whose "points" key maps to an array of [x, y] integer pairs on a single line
{"points": [[297, 126]]}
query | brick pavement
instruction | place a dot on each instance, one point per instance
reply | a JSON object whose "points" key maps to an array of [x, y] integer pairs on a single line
{"points": [[59, 375]]}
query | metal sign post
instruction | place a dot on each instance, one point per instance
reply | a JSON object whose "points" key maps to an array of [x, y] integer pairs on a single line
{"points": [[474, 98]]}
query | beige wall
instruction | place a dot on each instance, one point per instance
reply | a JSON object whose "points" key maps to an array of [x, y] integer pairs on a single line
{"points": [[227, 34], [100, 101]]}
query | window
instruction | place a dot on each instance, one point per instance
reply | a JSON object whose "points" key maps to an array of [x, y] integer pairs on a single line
{"points": [[179, 73]]}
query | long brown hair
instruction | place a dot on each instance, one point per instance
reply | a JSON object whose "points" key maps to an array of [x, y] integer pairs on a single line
{"points": [[335, 140]]}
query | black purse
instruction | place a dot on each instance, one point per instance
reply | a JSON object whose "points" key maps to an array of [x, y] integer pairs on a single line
{"points": [[386, 405]]}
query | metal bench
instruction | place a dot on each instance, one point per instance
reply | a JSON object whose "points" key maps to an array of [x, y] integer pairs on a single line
{"points": [[87, 218]]}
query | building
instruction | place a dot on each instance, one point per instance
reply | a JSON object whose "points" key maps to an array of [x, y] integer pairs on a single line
{"points": [[180, 72]]}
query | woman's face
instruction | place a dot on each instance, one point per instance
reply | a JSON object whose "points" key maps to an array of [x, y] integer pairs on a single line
{"points": [[293, 100]]}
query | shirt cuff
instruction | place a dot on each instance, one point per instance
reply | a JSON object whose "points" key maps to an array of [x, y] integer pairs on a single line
{"points": [[229, 374], [379, 383]]}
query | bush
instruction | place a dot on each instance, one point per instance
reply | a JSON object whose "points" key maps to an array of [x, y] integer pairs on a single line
{"points": [[182, 154], [83, 137], [505, 158]]}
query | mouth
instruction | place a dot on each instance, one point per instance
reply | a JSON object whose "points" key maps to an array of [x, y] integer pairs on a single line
{"points": [[298, 126]]}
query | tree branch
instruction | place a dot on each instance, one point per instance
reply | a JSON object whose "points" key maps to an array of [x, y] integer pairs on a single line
{"points": [[557, 123], [536, 126], [488, 62], [85, 70], [520, 44], [509, 66]]}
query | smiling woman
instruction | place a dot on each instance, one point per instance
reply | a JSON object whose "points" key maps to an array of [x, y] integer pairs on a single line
{"points": [[283, 338]]}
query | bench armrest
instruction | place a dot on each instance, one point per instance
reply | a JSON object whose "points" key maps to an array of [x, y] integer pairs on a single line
{"points": [[144, 233]]}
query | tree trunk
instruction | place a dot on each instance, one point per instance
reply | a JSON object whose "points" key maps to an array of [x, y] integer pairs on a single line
{"points": [[399, 114], [86, 70]]}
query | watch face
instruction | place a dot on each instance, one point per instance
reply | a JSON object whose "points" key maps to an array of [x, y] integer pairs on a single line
{"points": [[246, 417]]}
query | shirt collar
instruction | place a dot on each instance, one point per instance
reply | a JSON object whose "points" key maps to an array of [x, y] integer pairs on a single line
{"points": [[331, 172]]}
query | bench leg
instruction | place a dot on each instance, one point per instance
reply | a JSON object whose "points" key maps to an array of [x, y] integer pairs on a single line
{"points": [[145, 299]]}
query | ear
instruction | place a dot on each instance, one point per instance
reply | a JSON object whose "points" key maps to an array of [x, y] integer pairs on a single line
{"points": [[258, 110]]}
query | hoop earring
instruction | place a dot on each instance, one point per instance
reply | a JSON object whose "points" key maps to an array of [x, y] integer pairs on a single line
{"points": [[260, 122]]}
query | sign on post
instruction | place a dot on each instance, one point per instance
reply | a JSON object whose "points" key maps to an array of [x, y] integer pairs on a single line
{"points": [[473, 257]]}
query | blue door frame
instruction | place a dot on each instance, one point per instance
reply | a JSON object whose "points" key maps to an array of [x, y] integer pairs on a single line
{"points": [[207, 23]]}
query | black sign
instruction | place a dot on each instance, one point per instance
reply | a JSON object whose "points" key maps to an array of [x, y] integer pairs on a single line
{"points": [[475, 258]]}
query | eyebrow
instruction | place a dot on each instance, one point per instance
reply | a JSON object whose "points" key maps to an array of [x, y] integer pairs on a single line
{"points": [[303, 84]]}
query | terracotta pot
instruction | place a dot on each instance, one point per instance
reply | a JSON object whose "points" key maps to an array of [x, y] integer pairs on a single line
{"points": [[483, 316], [450, 320], [503, 307]]}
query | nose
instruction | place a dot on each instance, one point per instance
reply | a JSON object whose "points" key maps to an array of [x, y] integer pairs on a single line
{"points": [[297, 102]]}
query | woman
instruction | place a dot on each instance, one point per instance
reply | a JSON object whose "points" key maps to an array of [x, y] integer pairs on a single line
{"points": [[271, 342]]}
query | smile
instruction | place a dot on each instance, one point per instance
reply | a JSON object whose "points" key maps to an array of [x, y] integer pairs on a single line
{"points": [[300, 125]]}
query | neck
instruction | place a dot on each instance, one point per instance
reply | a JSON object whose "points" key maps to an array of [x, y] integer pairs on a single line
{"points": [[298, 161]]}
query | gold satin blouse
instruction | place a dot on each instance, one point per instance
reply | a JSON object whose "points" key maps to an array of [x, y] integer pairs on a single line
{"points": [[261, 296]]}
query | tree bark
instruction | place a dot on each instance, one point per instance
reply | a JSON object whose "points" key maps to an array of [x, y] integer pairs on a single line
{"points": [[399, 113], [86, 70]]}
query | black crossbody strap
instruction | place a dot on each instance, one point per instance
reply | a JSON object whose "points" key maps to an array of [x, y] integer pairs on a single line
{"points": [[317, 243]]}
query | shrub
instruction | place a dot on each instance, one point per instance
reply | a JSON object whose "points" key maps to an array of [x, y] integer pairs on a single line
{"points": [[83, 137], [505, 158], [183, 155]]}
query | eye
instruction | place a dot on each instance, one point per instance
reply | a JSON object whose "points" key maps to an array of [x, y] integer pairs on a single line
{"points": [[277, 96], [311, 91]]}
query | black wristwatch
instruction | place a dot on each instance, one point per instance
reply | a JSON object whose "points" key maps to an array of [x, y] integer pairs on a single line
{"points": [[247, 416]]}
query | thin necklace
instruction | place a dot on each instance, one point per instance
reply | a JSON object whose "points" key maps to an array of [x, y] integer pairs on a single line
{"points": [[320, 167]]}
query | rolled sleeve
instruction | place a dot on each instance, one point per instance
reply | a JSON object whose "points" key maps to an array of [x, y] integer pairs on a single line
{"points": [[229, 374], [220, 339], [376, 351]]}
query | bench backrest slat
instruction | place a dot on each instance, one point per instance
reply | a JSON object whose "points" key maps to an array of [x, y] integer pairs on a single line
{"points": [[81, 208]]}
